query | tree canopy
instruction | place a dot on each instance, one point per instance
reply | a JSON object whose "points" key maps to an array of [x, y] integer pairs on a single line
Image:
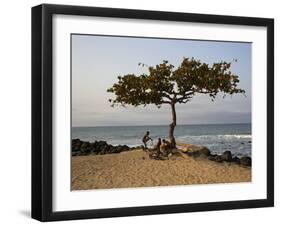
{"points": [[165, 84]]}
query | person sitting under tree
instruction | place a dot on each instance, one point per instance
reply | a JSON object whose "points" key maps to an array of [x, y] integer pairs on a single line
{"points": [[145, 139], [165, 147], [157, 146]]}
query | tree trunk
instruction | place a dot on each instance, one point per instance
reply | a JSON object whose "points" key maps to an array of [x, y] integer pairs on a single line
{"points": [[172, 126]]}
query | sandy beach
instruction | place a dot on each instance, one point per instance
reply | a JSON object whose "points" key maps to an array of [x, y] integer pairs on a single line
{"points": [[136, 169]]}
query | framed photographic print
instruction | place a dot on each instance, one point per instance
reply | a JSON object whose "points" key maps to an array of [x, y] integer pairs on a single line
{"points": [[145, 112]]}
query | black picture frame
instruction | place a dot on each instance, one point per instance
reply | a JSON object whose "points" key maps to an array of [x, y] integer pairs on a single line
{"points": [[42, 111]]}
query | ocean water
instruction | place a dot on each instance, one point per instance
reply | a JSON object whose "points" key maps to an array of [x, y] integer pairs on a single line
{"points": [[217, 137]]}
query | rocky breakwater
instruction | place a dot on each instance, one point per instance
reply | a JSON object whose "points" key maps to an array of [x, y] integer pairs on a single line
{"points": [[201, 151], [82, 148]]}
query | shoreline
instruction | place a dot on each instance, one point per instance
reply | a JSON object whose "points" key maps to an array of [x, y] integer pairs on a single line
{"points": [[84, 148]]}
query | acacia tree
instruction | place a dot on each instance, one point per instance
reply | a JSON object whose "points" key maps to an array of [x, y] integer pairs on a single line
{"points": [[165, 84]]}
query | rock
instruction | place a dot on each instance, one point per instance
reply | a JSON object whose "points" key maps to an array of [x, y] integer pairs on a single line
{"points": [[212, 157], [246, 161], [101, 146], [218, 158], [98, 147], [236, 160], [108, 149], [118, 149], [205, 151], [104, 148], [75, 154], [85, 145], [75, 149], [125, 148], [227, 156], [196, 151], [93, 145], [137, 147], [80, 147], [86, 150], [76, 143]]}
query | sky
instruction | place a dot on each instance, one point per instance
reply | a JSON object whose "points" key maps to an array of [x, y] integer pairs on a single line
{"points": [[98, 60]]}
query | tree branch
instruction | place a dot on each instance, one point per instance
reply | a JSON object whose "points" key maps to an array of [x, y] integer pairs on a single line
{"points": [[166, 102], [185, 97]]}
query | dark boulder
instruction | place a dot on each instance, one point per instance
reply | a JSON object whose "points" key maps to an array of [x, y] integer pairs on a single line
{"points": [[204, 151], [110, 149], [212, 157], [75, 149], [104, 148], [101, 145], [218, 158], [227, 156], [246, 161], [85, 144], [86, 150], [118, 149], [236, 160], [125, 148], [215, 158], [96, 148], [121, 148], [76, 143], [197, 151]]}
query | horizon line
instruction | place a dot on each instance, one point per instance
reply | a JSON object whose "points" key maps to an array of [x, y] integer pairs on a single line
{"points": [[166, 125]]}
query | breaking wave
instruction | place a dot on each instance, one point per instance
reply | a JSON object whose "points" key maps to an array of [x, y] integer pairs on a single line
{"points": [[226, 136]]}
